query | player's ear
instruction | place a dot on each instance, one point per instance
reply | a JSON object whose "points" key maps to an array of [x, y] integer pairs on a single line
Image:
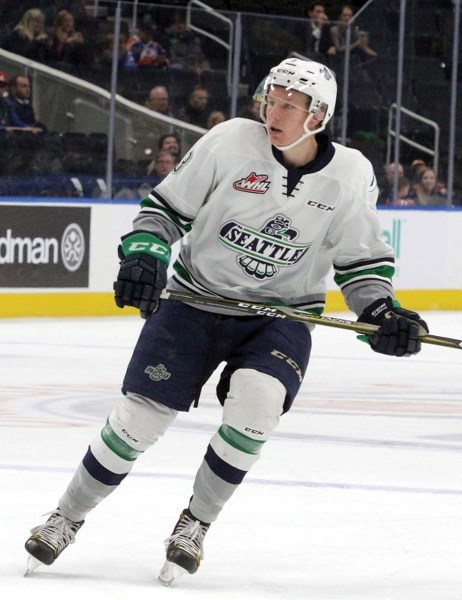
{"points": [[321, 112]]}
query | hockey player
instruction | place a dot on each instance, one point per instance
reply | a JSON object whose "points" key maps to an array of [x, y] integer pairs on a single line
{"points": [[268, 208]]}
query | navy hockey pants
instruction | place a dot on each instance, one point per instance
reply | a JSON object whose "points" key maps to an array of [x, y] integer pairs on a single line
{"points": [[181, 346]]}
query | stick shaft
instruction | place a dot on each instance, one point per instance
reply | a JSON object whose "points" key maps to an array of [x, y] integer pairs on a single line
{"points": [[282, 312]]}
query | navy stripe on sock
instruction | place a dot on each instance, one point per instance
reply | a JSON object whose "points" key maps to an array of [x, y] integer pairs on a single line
{"points": [[221, 468], [100, 473]]}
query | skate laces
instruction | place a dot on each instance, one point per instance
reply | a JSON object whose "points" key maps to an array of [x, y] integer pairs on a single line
{"points": [[58, 532], [188, 536]]}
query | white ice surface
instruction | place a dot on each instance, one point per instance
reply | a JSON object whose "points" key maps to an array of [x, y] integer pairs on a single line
{"points": [[357, 496]]}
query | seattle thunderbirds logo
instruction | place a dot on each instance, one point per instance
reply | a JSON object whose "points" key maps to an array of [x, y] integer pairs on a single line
{"points": [[262, 252]]}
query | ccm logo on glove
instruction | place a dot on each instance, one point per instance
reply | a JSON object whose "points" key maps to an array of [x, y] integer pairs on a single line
{"points": [[399, 329], [142, 241]]}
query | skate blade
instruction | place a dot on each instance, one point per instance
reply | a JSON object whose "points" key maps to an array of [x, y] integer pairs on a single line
{"points": [[170, 572], [32, 565]]}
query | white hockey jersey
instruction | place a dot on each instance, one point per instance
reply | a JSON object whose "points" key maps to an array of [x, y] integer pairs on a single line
{"points": [[258, 231]]}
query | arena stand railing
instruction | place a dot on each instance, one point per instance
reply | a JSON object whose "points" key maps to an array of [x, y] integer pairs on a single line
{"points": [[77, 100]]}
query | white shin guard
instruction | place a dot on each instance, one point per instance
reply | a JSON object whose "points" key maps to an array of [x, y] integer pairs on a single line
{"points": [[254, 403], [134, 424], [139, 421]]}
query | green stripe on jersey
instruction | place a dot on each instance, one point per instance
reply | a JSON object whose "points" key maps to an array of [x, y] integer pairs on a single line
{"points": [[385, 272], [182, 272], [238, 440], [118, 446], [169, 214]]}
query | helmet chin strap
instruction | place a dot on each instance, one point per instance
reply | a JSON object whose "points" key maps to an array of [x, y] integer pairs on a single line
{"points": [[304, 136]]}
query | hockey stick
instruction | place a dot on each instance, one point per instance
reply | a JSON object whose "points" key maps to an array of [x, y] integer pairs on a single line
{"points": [[284, 312]]}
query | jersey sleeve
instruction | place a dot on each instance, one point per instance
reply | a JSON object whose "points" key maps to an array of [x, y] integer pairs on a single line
{"points": [[169, 210], [363, 262]]}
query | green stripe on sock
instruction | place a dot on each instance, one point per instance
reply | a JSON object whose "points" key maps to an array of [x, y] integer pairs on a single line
{"points": [[238, 440], [118, 446]]}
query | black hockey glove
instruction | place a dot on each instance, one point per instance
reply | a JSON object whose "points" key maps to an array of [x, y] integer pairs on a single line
{"points": [[143, 271], [399, 328]]}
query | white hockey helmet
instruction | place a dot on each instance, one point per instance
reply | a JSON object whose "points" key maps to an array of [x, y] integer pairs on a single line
{"points": [[308, 77]]}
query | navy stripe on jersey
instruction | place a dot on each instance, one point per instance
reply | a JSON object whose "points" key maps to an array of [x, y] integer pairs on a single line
{"points": [[363, 264], [373, 269], [222, 469], [100, 473], [155, 204]]}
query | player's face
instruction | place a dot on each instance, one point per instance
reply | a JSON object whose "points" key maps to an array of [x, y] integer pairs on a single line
{"points": [[286, 113]]}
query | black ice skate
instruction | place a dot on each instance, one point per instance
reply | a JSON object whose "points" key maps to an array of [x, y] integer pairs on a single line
{"points": [[184, 548], [48, 540]]}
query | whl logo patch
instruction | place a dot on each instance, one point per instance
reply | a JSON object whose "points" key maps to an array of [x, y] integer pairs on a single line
{"points": [[253, 183], [262, 252], [158, 373]]}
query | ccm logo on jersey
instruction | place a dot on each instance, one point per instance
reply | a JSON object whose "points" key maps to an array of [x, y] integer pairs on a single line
{"points": [[253, 183], [319, 205]]}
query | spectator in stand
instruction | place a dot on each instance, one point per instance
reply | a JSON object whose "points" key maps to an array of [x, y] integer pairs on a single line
{"points": [[156, 171], [126, 58], [318, 18], [29, 38], [326, 43], [159, 101], [196, 110], [185, 48], [404, 189], [417, 166], [215, 117], [84, 12], [4, 113], [171, 143], [359, 39], [21, 113], [147, 50], [428, 192], [386, 191], [68, 48], [161, 166]]}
